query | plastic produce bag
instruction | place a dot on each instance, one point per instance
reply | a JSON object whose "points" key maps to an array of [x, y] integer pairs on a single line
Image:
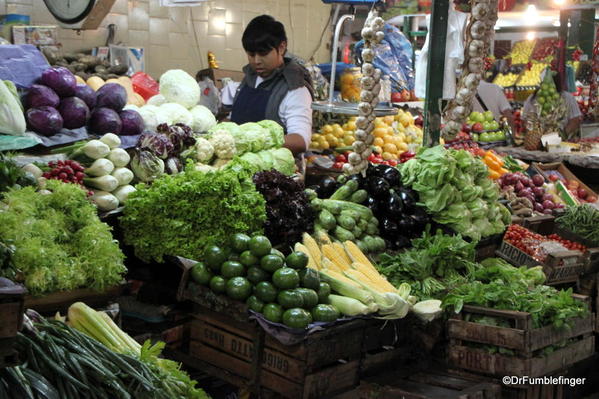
{"points": [[454, 54], [393, 56], [209, 95]]}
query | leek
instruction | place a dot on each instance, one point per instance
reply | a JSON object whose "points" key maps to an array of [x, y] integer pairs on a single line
{"points": [[349, 306], [346, 289]]}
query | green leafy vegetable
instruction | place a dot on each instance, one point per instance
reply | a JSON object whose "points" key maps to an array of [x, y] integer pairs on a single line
{"points": [[185, 213], [582, 220], [60, 243]]}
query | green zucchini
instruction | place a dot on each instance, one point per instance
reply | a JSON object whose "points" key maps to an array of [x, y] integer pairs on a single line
{"points": [[326, 219], [346, 222], [359, 196], [345, 191]]}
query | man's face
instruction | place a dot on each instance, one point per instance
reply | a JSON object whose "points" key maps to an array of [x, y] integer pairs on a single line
{"points": [[264, 63]]}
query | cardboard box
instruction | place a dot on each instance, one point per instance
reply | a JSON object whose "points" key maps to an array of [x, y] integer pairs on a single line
{"points": [[8, 21], [36, 35]]}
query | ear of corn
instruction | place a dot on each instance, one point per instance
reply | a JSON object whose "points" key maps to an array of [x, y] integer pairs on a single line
{"points": [[313, 249], [327, 264], [322, 237], [356, 255], [374, 276], [341, 251], [302, 248], [346, 287], [331, 253]]}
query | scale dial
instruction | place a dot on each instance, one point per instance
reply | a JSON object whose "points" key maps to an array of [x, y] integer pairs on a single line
{"points": [[70, 11]]}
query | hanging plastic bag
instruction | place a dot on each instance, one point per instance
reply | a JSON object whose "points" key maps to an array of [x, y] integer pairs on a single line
{"points": [[209, 96]]}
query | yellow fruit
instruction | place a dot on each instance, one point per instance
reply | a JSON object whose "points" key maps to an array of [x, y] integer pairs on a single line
{"points": [[406, 120], [325, 145], [388, 119], [377, 149], [351, 125], [401, 136], [379, 132], [402, 147], [378, 141], [314, 145], [387, 156], [338, 132], [326, 129], [348, 140], [390, 148], [329, 137], [379, 122]]}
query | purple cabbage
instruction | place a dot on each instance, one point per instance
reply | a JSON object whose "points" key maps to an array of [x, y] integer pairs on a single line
{"points": [[133, 124], [156, 143], [87, 94], [105, 120], [39, 95], [44, 120], [111, 95], [74, 112], [59, 79], [179, 134]]}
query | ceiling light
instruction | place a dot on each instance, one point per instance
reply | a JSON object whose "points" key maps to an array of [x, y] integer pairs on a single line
{"points": [[530, 35], [531, 15]]}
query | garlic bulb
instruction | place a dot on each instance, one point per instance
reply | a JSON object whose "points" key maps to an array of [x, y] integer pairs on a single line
{"points": [[460, 112], [367, 33], [367, 55], [366, 153], [348, 169], [471, 81], [476, 65], [379, 36], [366, 95], [360, 135], [377, 74], [367, 82], [354, 158], [364, 108], [480, 11], [369, 139], [369, 128], [367, 69], [361, 122], [478, 30], [378, 23], [359, 146], [476, 48]]}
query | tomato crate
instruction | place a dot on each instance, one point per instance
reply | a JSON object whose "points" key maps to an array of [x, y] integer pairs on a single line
{"points": [[526, 342], [592, 252], [324, 364], [559, 267]]}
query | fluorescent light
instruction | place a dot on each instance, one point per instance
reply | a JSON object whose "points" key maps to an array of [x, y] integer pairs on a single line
{"points": [[559, 2], [531, 35], [556, 23], [531, 15], [218, 23]]}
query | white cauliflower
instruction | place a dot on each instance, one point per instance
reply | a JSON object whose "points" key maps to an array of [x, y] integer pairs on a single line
{"points": [[171, 113], [203, 119], [179, 87], [157, 100], [148, 114], [204, 150], [201, 167], [224, 144]]}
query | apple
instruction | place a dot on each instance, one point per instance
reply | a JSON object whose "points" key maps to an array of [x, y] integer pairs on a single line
{"points": [[489, 117], [553, 177], [582, 193], [487, 126], [477, 117], [396, 97], [475, 136], [484, 137], [478, 127], [494, 125], [466, 127]]}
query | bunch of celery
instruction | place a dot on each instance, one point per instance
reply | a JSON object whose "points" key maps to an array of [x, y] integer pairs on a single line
{"points": [[100, 326]]}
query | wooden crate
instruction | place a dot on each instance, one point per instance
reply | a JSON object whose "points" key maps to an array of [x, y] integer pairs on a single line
{"points": [[522, 338], [11, 319], [60, 301], [428, 384], [541, 224], [543, 168], [559, 267], [324, 364]]}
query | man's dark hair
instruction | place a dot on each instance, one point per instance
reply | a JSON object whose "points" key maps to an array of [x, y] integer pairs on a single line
{"points": [[262, 34]]}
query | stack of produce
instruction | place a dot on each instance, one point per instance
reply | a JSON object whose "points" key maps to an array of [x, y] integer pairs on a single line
{"points": [[288, 210], [11, 176], [345, 219], [536, 245], [133, 99], [582, 220], [527, 194], [160, 152], [547, 96], [177, 103], [506, 80], [334, 135], [85, 65], [58, 101], [545, 47], [63, 246], [280, 288], [393, 205], [455, 190], [183, 214], [260, 144], [522, 51], [95, 359], [350, 273], [568, 191], [532, 75]]}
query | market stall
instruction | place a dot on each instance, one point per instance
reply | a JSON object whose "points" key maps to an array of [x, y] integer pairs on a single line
{"points": [[151, 250]]}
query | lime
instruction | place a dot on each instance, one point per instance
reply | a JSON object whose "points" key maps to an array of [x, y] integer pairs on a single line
{"points": [[255, 275], [201, 274], [272, 312], [310, 297], [271, 263], [309, 278], [218, 284], [296, 260], [214, 257], [265, 291], [290, 299], [248, 259], [275, 251], [285, 278], [240, 242], [239, 288], [324, 290], [324, 312], [260, 245], [232, 269], [255, 304], [297, 318]]}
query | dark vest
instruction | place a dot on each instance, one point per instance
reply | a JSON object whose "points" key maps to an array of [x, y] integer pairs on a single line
{"points": [[253, 104]]}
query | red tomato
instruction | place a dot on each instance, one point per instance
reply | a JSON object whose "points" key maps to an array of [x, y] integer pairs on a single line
{"points": [[372, 157], [393, 162], [340, 158], [338, 165]]}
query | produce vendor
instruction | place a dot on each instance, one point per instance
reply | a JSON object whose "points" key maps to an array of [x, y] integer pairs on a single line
{"points": [[570, 121], [274, 87]]}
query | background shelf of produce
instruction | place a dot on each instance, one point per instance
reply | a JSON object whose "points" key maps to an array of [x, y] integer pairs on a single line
{"points": [[522, 338]]}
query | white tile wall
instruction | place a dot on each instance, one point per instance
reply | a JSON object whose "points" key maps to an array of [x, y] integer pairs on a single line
{"points": [[168, 33]]}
